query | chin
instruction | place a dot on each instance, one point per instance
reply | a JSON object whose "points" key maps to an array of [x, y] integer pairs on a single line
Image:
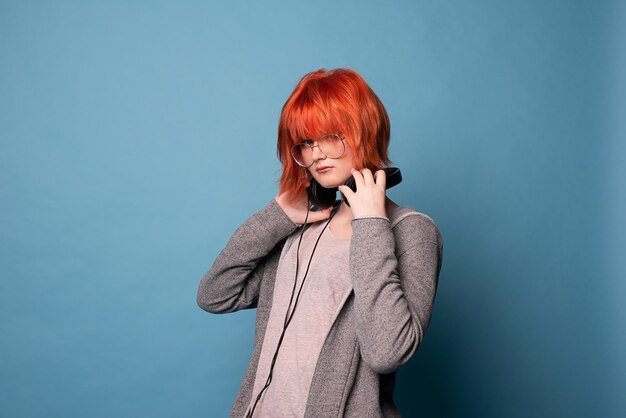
{"points": [[330, 183]]}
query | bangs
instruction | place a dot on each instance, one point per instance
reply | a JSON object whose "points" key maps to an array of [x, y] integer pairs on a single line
{"points": [[312, 116]]}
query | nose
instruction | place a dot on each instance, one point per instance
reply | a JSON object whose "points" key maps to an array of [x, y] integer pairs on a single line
{"points": [[317, 153]]}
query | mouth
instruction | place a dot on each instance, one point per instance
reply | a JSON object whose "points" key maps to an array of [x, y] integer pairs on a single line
{"points": [[323, 169]]}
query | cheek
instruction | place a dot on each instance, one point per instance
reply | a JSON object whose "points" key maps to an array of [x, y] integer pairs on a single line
{"points": [[349, 159], [349, 155]]}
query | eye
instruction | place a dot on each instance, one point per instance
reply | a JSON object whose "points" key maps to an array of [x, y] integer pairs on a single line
{"points": [[307, 142]]}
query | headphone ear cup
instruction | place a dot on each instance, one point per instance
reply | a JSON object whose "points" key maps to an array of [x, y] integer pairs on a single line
{"points": [[320, 197]]}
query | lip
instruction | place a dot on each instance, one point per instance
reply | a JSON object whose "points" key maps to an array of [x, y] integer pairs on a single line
{"points": [[323, 169]]}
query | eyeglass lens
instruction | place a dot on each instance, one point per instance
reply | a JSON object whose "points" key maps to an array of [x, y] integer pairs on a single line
{"points": [[331, 146]]}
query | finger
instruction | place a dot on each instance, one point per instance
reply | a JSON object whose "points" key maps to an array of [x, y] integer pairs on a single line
{"points": [[381, 179], [319, 215], [368, 178], [358, 179], [347, 192]]}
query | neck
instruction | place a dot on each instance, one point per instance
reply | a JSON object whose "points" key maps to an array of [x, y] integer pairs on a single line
{"points": [[341, 224], [344, 211]]}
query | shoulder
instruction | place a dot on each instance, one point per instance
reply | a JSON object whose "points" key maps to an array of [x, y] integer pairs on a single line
{"points": [[414, 226]]}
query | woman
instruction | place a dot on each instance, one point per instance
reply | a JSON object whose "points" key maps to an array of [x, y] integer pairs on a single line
{"points": [[344, 294]]}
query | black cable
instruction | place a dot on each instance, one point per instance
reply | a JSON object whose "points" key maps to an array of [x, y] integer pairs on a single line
{"points": [[288, 315]]}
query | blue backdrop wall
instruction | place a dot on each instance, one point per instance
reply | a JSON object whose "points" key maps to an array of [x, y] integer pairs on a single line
{"points": [[136, 136]]}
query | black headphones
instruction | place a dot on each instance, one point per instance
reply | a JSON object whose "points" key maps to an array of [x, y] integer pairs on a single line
{"points": [[321, 197]]}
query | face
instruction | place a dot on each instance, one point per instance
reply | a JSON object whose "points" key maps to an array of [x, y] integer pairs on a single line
{"points": [[332, 172]]}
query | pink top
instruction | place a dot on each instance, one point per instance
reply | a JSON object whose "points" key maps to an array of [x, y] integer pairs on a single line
{"points": [[326, 287]]}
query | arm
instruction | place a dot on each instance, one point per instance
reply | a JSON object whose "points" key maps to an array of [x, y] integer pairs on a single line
{"points": [[234, 279], [393, 294]]}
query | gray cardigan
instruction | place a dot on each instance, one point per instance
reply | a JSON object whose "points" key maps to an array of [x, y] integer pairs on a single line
{"points": [[394, 270]]}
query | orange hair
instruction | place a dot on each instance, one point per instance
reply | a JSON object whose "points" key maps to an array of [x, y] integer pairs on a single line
{"points": [[328, 102]]}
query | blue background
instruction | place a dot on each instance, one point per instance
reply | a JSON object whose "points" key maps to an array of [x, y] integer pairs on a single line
{"points": [[136, 136]]}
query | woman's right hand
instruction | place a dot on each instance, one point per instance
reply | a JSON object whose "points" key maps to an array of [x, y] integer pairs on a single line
{"points": [[296, 208]]}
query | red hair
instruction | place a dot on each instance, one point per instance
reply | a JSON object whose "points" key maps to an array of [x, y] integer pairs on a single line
{"points": [[328, 102]]}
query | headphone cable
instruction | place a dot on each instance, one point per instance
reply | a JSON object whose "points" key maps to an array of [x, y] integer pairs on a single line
{"points": [[289, 315]]}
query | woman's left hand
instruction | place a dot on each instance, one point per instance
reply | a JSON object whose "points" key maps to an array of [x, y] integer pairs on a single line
{"points": [[369, 198]]}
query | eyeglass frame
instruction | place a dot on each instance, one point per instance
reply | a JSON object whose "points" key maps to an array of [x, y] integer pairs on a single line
{"points": [[315, 143]]}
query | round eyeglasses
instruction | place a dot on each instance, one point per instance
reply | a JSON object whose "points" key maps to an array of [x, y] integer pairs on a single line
{"points": [[331, 146]]}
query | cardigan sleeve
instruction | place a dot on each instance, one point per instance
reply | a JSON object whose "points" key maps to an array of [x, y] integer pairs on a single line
{"points": [[234, 280], [394, 293]]}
